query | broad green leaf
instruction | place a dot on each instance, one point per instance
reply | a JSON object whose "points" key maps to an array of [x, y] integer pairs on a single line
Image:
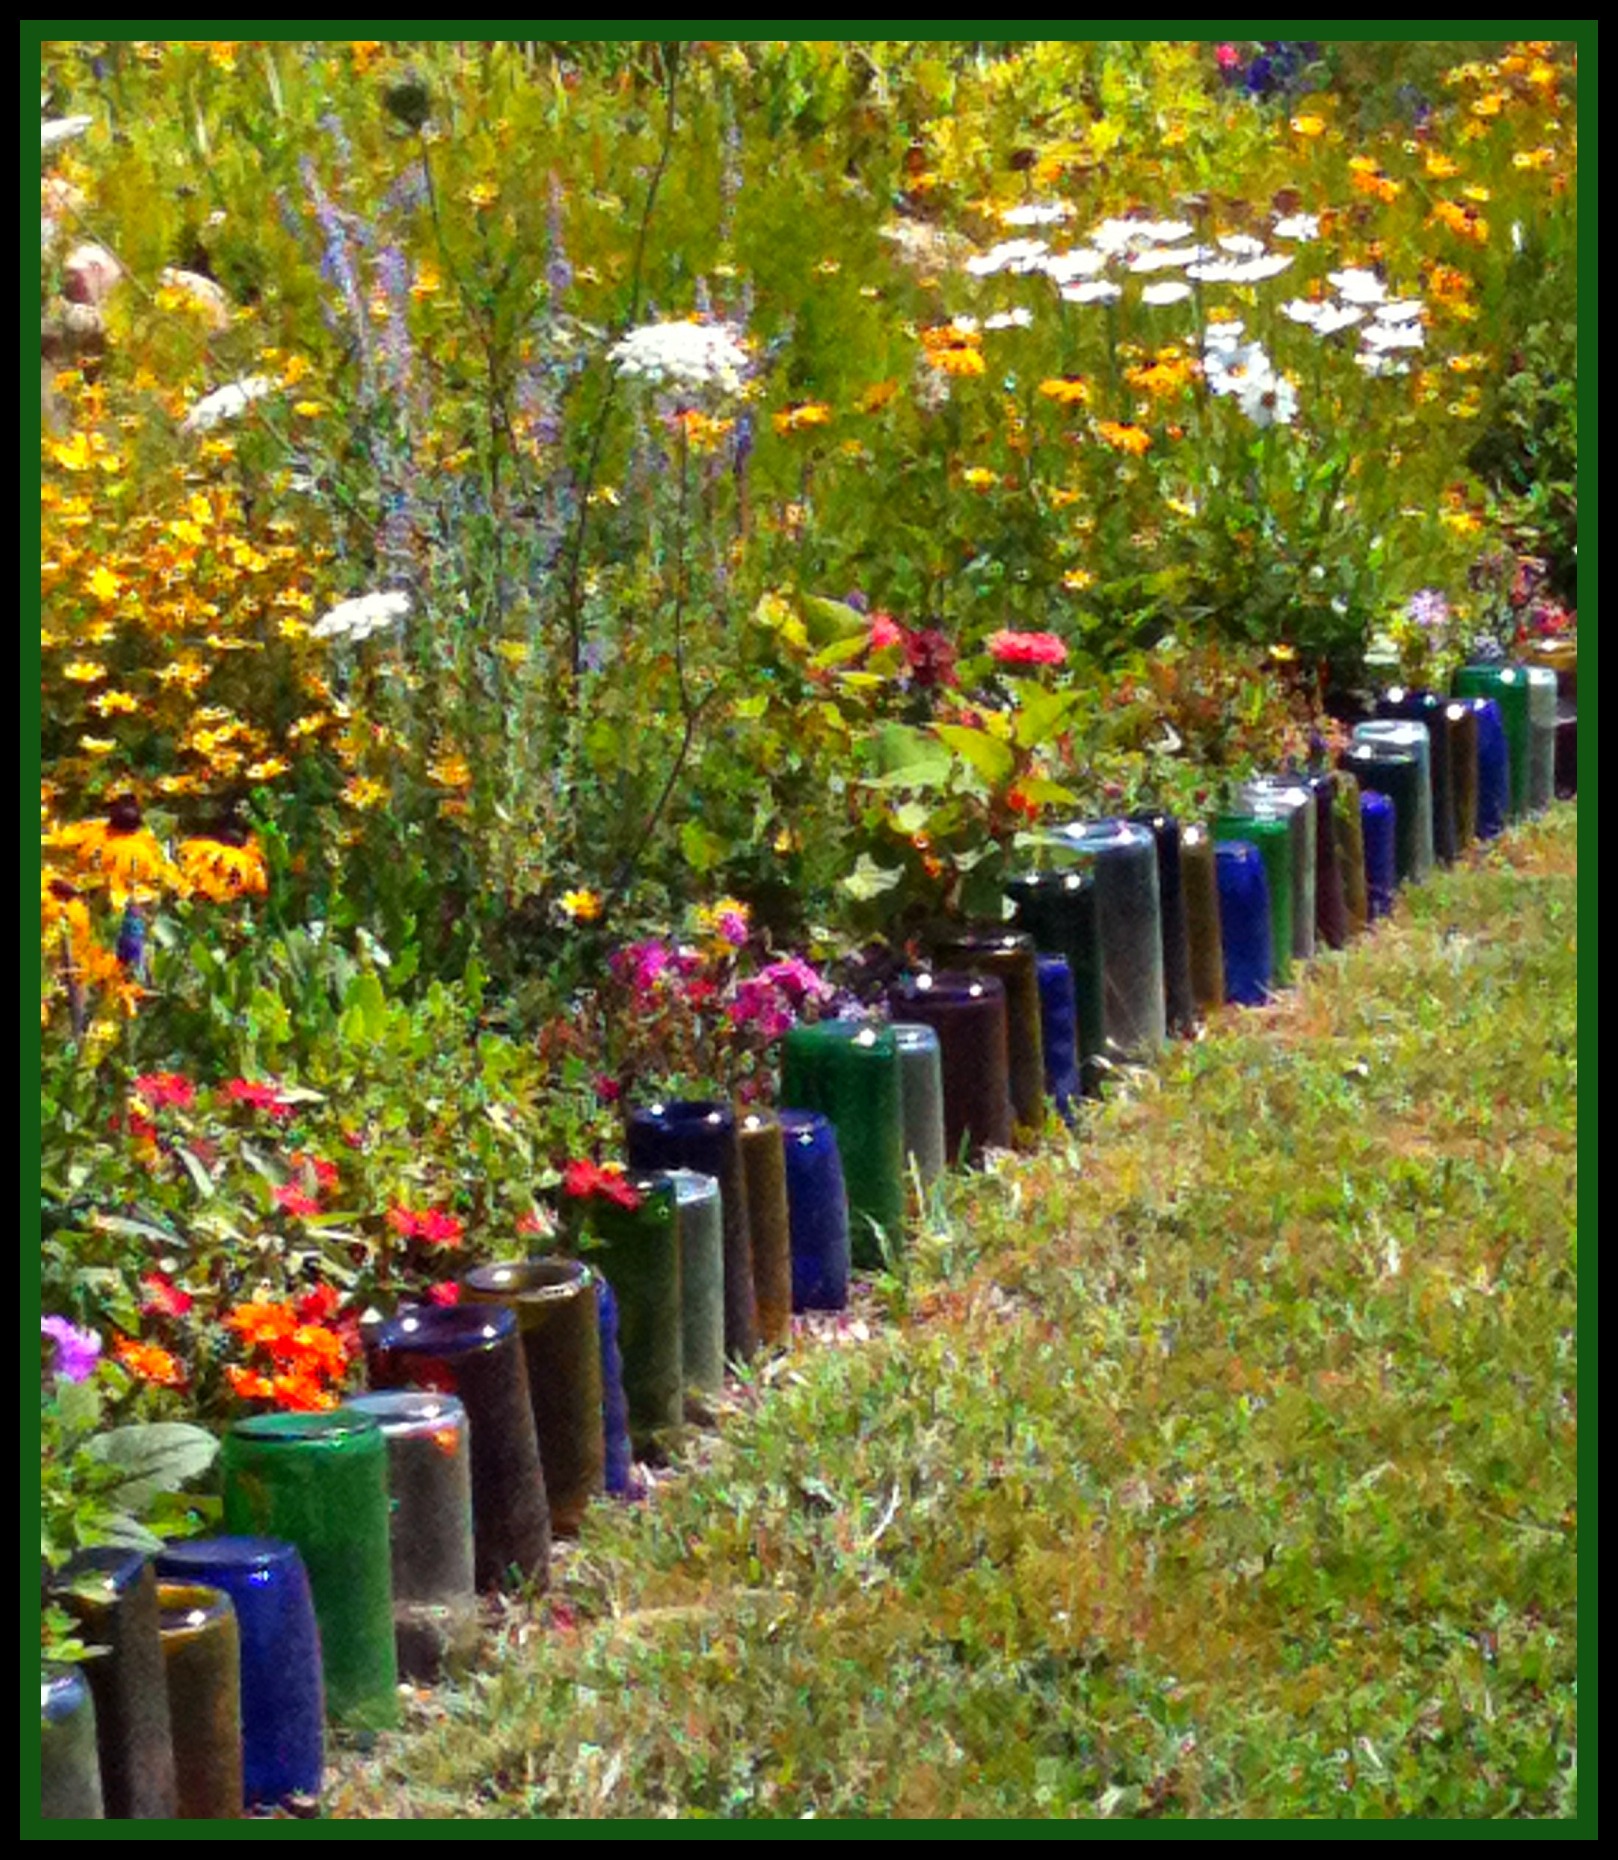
{"points": [[1041, 714], [1049, 793], [832, 620], [153, 1457], [908, 757], [838, 652], [992, 759], [870, 880], [364, 998]]}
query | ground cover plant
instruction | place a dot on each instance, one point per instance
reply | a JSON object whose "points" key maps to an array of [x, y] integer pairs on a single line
{"points": [[561, 559], [1179, 1485]]}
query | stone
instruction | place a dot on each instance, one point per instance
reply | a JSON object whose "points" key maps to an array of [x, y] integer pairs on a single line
{"points": [[88, 274]]}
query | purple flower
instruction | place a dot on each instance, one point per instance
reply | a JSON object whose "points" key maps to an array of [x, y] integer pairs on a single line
{"points": [[77, 1351], [1428, 608]]}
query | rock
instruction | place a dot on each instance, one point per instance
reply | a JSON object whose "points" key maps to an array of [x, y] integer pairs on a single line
{"points": [[71, 331], [88, 274], [208, 296]]}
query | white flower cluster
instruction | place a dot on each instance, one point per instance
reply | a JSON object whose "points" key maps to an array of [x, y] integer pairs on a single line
{"points": [[690, 355], [1391, 323], [227, 402], [1138, 247], [1244, 372], [352, 621]]}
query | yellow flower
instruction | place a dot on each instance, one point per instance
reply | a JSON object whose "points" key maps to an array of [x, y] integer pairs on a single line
{"points": [[268, 769], [1440, 167], [110, 702], [450, 771], [702, 432], [1309, 126], [801, 417], [976, 478], [874, 399], [513, 651], [1131, 439], [1076, 580], [222, 870], [428, 282], [308, 409], [957, 361], [581, 907], [362, 792], [120, 850], [104, 584], [85, 671], [1066, 390], [97, 745], [483, 195]]}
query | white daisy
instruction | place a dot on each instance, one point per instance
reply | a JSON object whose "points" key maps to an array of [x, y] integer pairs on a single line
{"points": [[1240, 270], [1013, 255], [1164, 257], [1358, 286], [1241, 245], [1098, 291], [1064, 267], [1400, 310], [1010, 319], [1037, 213], [1165, 293], [1385, 336], [1298, 226]]}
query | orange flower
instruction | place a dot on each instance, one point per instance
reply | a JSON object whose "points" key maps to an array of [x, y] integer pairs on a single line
{"points": [[249, 1384], [799, 418], [302, 1393], [221, 870], [1066, 390], [262, 1325], [150, 1363]]}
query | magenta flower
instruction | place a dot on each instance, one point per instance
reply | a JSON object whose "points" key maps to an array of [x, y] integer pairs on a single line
{"points": [[77, 1351]]}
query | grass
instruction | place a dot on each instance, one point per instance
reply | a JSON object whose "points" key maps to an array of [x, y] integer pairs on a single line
{"points": [[1217, 1462]]}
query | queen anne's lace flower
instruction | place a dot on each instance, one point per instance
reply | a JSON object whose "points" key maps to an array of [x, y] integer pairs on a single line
{"points": [[696, 356], [63, 129], [227, 403], [359, 618]]}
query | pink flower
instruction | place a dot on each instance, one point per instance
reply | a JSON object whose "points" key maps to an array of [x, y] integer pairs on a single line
{"points": [[1026, 648], [1228, 57], [885, 631], [796, 978], [732, 928]]}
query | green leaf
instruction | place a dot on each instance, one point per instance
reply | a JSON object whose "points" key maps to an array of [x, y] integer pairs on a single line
{"points": [[365, 1010], [832, 620], [153, 1457], [197, 1171], [870, 880], [838, 652], [703, 850], [991, 758], [1041, 713], [909, 758]]}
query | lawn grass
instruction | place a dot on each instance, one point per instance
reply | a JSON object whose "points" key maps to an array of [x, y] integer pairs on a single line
{"points": [[1216, 1462]]}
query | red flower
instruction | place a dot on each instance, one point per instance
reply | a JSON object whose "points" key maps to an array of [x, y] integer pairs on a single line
{"points": [[163, 1297], [318, 1306], [436, 1228], [261, 1095], [930, 656], [403, 1222], [584, 1179], [608, 1090], [292, 1200], [1026, 648], [535, 1222], [325, 1173], [158, 1089], [445, 1293]]}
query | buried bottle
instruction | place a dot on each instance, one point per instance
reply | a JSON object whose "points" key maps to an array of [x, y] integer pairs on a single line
{"points": [[282, 1696], [111, 1593], [768, 1222], [1246, 923], [1414, 740], [1271, 835], [202, 1659], [1199, 884], [817, 1205], [968, 1013], [1387, 768], [849, 1070], [472, 1351], [554, 1303], [701, 1134], [320, 1483], [70, 1774], [435, 1609], [1009, 956], [921, 1083], [1287, 798]]}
